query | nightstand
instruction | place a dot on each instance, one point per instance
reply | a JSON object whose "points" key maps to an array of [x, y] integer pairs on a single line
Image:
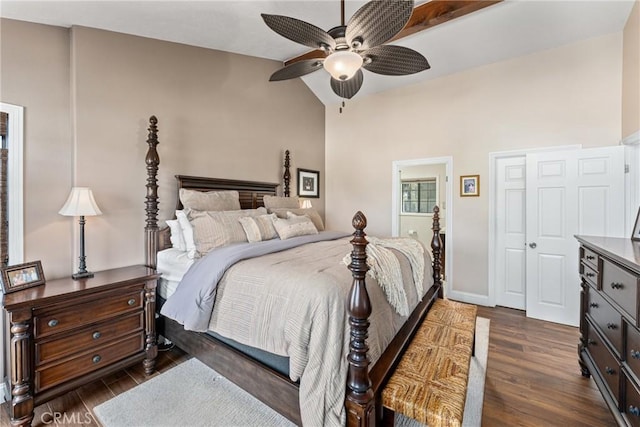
{"points": [[68, 332]]}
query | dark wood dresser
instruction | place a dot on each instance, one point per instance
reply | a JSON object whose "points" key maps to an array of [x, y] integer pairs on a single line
{"points": [[67, 333], [609, 347]]}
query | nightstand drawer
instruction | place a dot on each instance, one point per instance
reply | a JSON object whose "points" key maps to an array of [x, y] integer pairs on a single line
{"points": [[621, 285], [51, 322], [87, 338], [88, 361]]}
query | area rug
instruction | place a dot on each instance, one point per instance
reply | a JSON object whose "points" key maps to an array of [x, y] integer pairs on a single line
{"points": [[193, 395]]}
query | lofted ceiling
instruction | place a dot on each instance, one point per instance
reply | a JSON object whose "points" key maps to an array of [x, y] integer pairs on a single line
{"points": [[504, 30]]}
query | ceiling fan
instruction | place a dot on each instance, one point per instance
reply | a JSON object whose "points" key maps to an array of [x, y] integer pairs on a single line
{"points": [[351, 47]]}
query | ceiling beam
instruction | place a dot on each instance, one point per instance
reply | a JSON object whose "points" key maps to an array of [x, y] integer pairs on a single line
{"points": [[424, 16]]}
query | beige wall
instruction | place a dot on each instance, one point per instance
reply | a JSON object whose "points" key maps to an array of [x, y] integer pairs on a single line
{"points": [[568, 95], [631, 73], [34, 63], [218, 116]]}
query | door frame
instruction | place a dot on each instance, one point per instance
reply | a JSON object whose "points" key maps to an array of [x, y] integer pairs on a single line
{"points": [[491, 238], [448, 194]]}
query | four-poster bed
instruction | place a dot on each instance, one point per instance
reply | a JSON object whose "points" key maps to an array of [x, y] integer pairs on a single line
{"points": [[364, 383]]}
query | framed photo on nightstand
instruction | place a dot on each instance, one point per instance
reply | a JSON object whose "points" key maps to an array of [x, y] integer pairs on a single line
{"points": [[21, 276]]}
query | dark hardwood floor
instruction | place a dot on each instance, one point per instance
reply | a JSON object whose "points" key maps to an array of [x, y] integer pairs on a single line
{"points": [[533, 379]]}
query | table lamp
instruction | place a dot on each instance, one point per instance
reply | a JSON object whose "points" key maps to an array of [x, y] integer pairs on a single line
{"points": [[81, 203]]}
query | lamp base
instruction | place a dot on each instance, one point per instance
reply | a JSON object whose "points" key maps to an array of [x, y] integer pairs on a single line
{"points": [[81, 275]]}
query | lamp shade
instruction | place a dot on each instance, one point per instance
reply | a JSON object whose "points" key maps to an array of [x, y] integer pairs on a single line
{"points": [[80, 203], [306, 204], [342, 64]]}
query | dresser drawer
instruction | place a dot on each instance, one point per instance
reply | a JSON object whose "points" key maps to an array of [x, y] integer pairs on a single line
{"points": [[606, 318], [631, 408], [91, 337], [54, 321], [589, 275], [606, 363], [621, 286], [632, 356], [589, 257], [87, 362]]}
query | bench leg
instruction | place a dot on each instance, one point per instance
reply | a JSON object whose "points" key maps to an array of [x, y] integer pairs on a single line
{"points": [[388, 417]]}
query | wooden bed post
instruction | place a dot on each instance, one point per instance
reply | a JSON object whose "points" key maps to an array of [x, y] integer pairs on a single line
{"points": [[360, 402], [436, 247], [287, 174], [151, 228]]}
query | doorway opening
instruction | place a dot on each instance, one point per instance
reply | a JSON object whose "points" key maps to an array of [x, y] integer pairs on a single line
{"points": [[426, 183]]}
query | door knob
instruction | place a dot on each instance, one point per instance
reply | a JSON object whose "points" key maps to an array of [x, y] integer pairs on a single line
{"points": [[532, 245]]}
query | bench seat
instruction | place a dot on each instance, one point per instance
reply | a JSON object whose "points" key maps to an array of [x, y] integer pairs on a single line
{"points": [[430, 382]]}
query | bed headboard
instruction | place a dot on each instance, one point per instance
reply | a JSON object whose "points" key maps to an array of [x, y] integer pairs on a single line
{"points": [[251, 192]]}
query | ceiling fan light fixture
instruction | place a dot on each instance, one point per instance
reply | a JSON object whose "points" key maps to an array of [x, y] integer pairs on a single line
{"points": [[343, 64]]}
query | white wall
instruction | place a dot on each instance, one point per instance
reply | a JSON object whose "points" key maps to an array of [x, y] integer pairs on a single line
{"points": [[567, 95]]}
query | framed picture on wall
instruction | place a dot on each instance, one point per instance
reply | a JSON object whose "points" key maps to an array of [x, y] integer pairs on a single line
{"points": [[308, 183], [21, 276], [469, 185]]}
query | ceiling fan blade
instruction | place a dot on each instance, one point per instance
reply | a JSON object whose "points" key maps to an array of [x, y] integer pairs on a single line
{"points": [[391, 60], [348, 88], [299, 31], [377, 22], [297, 69]]}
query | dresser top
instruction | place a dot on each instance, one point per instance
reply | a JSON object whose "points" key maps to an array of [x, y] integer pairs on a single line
{"points": [[622, 250], [60, 289]]}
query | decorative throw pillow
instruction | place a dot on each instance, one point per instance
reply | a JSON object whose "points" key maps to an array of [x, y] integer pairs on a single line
{"points": [[310, 212], [258, 228], [210, 200], [187, 233], [177, 238], [213, 229], [277, 202], [295, 226]]}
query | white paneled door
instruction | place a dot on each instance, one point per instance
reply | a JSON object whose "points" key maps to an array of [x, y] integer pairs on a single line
{"points": [[510, 270], [567, 193]]}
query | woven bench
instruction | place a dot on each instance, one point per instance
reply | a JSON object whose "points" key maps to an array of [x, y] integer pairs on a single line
{"points": [[430, 382]]}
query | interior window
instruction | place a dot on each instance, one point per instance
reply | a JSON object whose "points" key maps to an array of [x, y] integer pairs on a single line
{"points": [[419, 196]]}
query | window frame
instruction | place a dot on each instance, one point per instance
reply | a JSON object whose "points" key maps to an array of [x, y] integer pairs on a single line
{"points": [[430, 179]]}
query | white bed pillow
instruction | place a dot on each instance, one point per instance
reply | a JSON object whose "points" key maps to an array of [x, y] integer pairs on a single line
{"points": [[277, 202], [210, 200], [295, 226], [213, 229], [187, 233], [310, 212], [177, 237], [258, 228]]}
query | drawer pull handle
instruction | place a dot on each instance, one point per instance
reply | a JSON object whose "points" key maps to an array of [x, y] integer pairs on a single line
{"points": [[615, 285], [52, 323], [612, 326], [591, 342], [590, 257], [590, 274], [132, 301], [96, 358], [593, 305], [609, 370], [635, 354], [96, 335], [634, 410]]}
